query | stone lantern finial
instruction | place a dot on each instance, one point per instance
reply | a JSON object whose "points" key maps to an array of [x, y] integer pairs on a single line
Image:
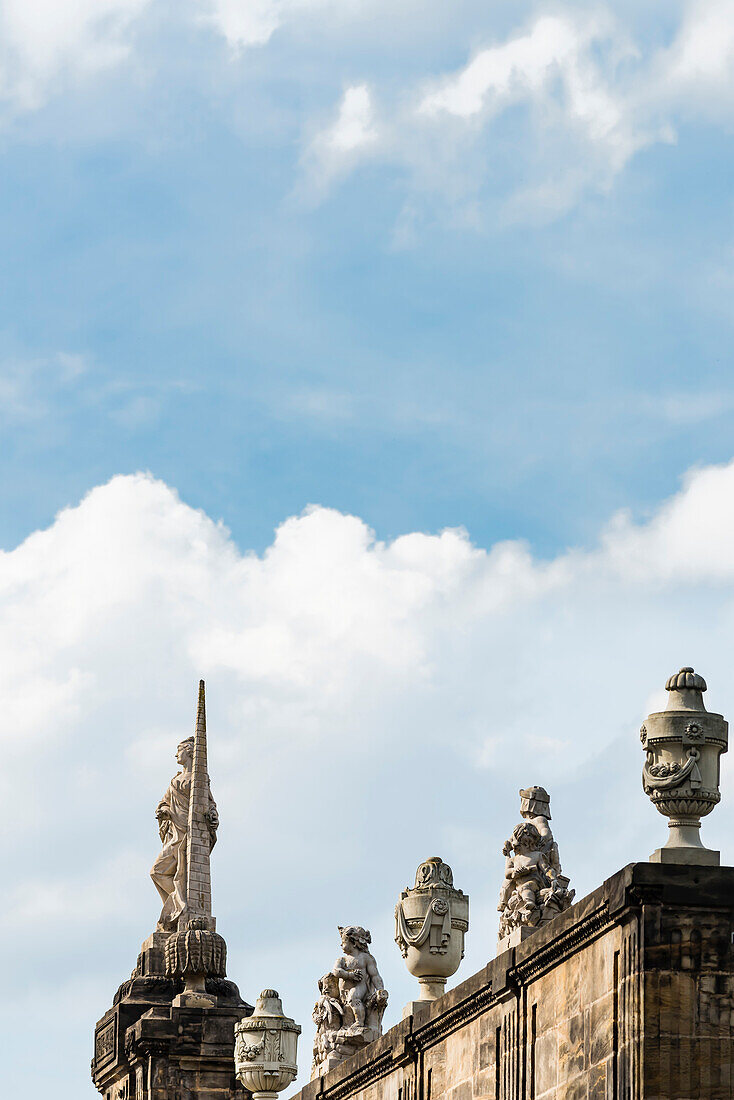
{"points": [[683, 745]]}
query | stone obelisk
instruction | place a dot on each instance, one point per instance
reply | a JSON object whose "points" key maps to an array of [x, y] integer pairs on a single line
{"points": [[198, 867], [195, 952]]}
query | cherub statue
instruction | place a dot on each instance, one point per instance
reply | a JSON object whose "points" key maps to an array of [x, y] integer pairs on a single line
{"points": [[527, 872], [361, 989], [328, 1015], [169, 870], [349, 1011]]}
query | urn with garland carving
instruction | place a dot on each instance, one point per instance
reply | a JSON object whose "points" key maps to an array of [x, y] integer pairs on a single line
{"points": [[265, 1048], [431, 920], [683, 745]]}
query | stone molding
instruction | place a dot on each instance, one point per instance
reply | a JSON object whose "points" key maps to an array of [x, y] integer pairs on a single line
{"points": [[563, 946]]}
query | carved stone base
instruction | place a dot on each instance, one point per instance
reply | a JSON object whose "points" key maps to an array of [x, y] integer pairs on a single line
{"points": [[147, 1047], [189, 999], [152, 957], [689, 857], [516, 936]]}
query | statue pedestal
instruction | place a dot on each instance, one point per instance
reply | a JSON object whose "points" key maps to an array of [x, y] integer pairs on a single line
{"points": [[149, 1047], [517, 936], [152, 957], [688, 856]]}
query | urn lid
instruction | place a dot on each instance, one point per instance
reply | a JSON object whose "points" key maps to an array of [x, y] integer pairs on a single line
{"points": [[268, 1004], [685, 689], [434, 872], [268, 1015]]}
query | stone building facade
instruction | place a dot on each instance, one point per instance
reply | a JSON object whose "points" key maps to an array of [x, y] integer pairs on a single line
{"points": [[629, 995]]}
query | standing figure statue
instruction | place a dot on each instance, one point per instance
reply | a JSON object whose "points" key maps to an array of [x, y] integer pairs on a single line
{"points": [[169, 872], [534, 890], [348, 1014]]}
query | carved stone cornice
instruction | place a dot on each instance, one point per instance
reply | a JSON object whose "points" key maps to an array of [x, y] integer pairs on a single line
{"points": [[563, 946], [456, 1017], [373, 1071]]}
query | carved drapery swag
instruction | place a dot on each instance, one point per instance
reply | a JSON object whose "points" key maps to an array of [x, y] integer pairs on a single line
{"points": [[436, 928]]}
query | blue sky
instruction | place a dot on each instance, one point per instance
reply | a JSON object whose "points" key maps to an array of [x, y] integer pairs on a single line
{"points": [[457, 275], [392, 342]]}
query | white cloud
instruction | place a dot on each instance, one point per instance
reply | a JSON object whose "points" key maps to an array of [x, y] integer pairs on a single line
{"points": [[586, 91], [593, 97], [246, 23], [26, 385], [702, 54], [347, 139], [44, 42], [524, 64]]}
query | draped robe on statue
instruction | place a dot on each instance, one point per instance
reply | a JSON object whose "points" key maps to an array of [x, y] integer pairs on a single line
{"points": [[169, 870]]}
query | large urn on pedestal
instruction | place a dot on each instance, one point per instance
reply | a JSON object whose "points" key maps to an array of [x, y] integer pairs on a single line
{"points": [[265, 1048], [431, 920], [683, 745]]}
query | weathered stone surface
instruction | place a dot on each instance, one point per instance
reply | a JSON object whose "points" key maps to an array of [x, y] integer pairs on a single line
{"points": [[629, 995], [148, 1050]]}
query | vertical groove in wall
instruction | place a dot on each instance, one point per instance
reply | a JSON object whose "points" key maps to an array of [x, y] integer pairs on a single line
{"points": [[615, 1028], [522, 1008], [497, 1062], [533, 1037]]}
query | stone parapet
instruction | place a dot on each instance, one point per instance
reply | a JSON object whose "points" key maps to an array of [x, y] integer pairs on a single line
{"points": [[628, 994]]}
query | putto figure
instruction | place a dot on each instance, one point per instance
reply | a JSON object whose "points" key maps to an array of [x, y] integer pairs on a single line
{"points": [[534, 890], [348, 1014], [170, 868]]}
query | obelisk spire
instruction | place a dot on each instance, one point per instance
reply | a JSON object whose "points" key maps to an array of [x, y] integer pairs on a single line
{"points": [[199, 883]]}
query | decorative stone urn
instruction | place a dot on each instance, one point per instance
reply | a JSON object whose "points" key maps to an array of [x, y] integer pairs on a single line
{"points": [[195, 954], [265, 1047], [431, 921], [683, 745]]}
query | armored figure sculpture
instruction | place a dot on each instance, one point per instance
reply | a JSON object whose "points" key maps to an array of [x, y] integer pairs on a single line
{"points": [[535, 807], [169, 872], [534, 890], [348, 1014]]}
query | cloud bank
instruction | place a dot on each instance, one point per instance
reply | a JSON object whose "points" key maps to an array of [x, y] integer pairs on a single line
{"points": [[371, 701]]}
